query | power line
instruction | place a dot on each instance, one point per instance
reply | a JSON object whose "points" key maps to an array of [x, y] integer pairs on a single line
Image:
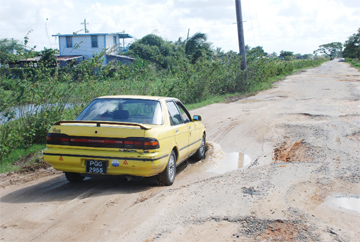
{"points": [[251, 22], [47, 33], [257, 18]]}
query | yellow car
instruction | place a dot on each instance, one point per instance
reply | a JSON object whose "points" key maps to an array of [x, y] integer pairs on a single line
{"points": [[126, 135]]}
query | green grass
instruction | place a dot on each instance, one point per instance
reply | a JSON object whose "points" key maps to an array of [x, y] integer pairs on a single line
{"points": [[7, 164], [238, 96], [353, 62]]}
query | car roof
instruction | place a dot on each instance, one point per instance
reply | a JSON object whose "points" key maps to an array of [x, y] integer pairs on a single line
{"points": [[137, 97]]}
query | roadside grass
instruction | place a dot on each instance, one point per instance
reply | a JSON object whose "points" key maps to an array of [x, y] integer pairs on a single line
{"points": [[353, 62], [231, 97], [22, 157]]}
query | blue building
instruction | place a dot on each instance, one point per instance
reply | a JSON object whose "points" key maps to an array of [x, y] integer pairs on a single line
{"points": [[88, 44]]}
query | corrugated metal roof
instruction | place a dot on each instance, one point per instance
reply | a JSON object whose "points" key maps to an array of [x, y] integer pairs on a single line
{"points": [[34, 59], [122, 56], [68, 57], [58, 58]]}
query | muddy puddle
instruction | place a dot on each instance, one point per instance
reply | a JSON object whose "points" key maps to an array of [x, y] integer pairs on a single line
{"points": [[217, 162], [349, 203], [251, 101]]}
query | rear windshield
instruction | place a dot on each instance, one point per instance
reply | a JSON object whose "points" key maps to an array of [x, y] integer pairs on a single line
{"points": [[123, 110]]}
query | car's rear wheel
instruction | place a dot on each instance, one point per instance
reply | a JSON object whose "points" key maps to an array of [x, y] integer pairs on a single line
{"points": [[74, 177], [167, 177], [200, 153]]}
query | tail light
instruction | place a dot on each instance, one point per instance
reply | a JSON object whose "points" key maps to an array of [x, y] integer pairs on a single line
{"points": [[141, 143], [129, 143], [57, 139]]}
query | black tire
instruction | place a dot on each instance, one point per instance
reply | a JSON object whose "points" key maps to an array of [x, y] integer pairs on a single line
{"points": [[74, 177], [167, 177], [200, 153]]}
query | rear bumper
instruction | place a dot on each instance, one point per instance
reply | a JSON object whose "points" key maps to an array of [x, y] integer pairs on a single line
{"points": [[118, 163]]}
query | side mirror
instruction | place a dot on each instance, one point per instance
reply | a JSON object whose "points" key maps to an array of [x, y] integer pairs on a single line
{"points": [[197, 118]]}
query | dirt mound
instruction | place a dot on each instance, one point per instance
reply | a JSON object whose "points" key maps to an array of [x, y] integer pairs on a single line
{"points": [[293, 152], [32, 167], [13, 178]]}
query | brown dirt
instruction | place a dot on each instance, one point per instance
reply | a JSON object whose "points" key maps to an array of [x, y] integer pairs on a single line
{"points": [[295, 152], [280, 230], [31, 163]]}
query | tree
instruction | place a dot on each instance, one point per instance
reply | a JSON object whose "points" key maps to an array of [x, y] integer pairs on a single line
{"points": [[287, 55], [332, 49], [256, 52], [352, 46], [48, 57], [156, 50], [10, 50], [196, 46]]}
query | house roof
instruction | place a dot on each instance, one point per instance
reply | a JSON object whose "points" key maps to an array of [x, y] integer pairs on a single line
{"points": [[121, 35], [58, 58], [122, 56], [68, 57], [34, 59]]}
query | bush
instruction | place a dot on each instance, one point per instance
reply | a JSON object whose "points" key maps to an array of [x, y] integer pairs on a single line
{"points": [[45, 95]]}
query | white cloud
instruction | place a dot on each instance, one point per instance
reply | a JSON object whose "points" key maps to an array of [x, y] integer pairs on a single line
{"points": [[294, 25]]}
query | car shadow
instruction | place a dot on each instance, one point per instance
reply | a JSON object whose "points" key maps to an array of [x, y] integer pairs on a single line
{"points": [[59, 189]]}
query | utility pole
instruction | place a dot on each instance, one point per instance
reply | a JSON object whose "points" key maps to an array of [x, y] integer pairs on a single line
{"points": [[86, 31], [240, 33]]}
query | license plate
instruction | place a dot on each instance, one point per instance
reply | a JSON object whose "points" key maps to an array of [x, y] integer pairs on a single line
{"points": [[96, 166]]}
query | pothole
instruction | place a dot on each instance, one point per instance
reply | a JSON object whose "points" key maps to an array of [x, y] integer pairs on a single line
{"points": [[251, 101], [216, 162], [291, 152], [349, 203], [232, 161]]}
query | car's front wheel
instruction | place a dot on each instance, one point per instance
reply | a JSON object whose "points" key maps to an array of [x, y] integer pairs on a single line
{"points": [[200, 153], [167, 177], [74, 177]]}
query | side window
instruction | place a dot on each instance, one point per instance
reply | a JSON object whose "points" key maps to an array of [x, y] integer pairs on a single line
{"points": [[175, 115], [68, 41], [94, 41], [184, 113]]}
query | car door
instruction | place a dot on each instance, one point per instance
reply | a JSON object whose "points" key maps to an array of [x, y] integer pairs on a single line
{"points": [[180, 130], [194, 140]]}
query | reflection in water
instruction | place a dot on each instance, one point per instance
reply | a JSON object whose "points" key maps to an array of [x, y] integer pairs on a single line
{"points": [[216, 162], [31, 109], [231, 161], [351, 203]]}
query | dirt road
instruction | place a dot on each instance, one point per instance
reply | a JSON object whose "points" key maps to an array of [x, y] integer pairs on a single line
{"points": [[299, 142]]}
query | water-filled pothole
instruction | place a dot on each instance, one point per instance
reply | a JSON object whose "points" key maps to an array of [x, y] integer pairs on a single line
{"points": [[350, 203], [232, 161], [216, 162], [250, 101]]}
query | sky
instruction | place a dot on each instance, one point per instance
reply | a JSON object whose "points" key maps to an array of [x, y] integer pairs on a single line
{"points": [[299, 26]]}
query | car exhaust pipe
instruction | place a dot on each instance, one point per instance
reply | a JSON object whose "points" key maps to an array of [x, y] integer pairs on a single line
{"points": [[126, 178]]}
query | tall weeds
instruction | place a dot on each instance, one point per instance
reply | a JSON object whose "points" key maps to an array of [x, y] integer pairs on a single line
{"points": [[33, 101]]}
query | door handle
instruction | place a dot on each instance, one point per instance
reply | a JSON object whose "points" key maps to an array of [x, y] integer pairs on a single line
{"points": [[176, 130], [189, 127]]}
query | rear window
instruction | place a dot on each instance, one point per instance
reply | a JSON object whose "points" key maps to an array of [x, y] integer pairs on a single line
{"points": [[123, 110]]}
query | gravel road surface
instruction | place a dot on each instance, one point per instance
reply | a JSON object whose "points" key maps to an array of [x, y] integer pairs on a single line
{"points": [[282, 165]]}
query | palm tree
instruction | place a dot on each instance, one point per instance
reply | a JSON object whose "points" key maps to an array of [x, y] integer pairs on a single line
{"points": [[195, 43], [196, 46]]}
